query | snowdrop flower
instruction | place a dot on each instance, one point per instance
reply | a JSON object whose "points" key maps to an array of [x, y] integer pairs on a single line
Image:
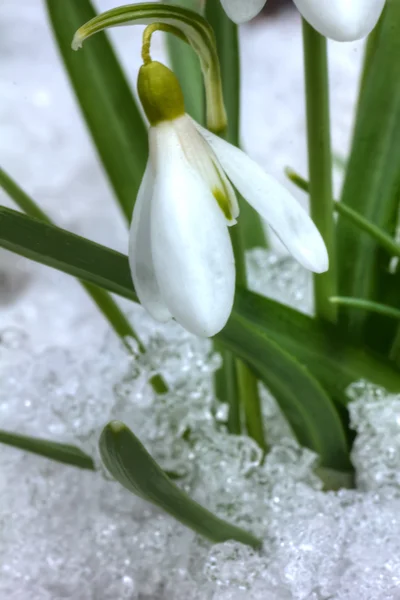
{"points": [[180, 252], [341, 20]]}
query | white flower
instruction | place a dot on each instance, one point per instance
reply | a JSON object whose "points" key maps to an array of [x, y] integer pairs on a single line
{"points": [[341, 20], [180, 251]]}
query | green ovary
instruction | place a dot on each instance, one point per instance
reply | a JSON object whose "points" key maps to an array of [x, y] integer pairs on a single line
{"points": [[160, 93]]}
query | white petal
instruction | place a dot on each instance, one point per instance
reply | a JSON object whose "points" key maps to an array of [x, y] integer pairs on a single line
{"points": [[241, 11], [274, 203], [203, 160], [342, 20], [140, 258], [192, 252]]}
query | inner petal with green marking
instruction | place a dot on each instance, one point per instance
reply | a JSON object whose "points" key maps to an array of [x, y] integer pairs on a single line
{"points": [[203, 159]]}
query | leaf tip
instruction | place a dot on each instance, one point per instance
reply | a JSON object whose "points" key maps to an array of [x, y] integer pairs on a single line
{"points": [[77, 41], [116, 426]]}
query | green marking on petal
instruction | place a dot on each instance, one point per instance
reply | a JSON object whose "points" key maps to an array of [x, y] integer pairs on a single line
{"points": [[223, 202]]}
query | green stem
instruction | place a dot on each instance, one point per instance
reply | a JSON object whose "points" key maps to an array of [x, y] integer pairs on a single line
{"points": [[111, 311], [247, 394], [376, 307], [104, 301], [226, 389], [320, 162], [248, 387], [358, 220]]}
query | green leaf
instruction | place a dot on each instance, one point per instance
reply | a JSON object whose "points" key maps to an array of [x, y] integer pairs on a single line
{"points": [[132, 466], [105, 303], [309, 410], [281, 373], [321, 348], [372, 184], [65, 251], [63, 453], [186, 66], [106, 100]]}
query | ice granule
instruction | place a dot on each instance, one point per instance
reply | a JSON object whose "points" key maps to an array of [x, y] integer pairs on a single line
{"points": [[376, 452], [281, 278]]}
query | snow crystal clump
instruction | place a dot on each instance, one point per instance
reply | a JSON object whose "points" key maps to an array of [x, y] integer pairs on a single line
{"points": [[70, 533], [376, 452]]}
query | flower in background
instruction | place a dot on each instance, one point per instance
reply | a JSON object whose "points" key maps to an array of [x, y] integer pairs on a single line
{"points": [[180, 251], [341, 20]]}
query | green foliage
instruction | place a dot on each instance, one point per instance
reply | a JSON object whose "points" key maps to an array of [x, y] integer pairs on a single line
{"points": [[132, 466], [372, 184], [261, 331], [105, 99], [63, 453]]}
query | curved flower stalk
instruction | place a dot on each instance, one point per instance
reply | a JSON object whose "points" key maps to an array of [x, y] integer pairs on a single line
{"points": [[341, 20], [180, 251], [187, 25]]}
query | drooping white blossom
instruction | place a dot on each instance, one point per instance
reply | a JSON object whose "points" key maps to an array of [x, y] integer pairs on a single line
{"points": [[241, 11], [341, 20], [180, 251]]}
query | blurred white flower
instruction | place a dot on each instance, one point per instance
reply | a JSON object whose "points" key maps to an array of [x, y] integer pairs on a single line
{"points": [[341, 20]]}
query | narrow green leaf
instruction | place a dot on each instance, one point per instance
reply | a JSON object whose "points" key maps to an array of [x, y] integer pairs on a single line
{"points": [[132, 466], [104, 301], [186, 66], [310, 412], [226, 388], [323, 349], [372, 184], [63, 453], [65, 251], [105, 98], [370, 48]]}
